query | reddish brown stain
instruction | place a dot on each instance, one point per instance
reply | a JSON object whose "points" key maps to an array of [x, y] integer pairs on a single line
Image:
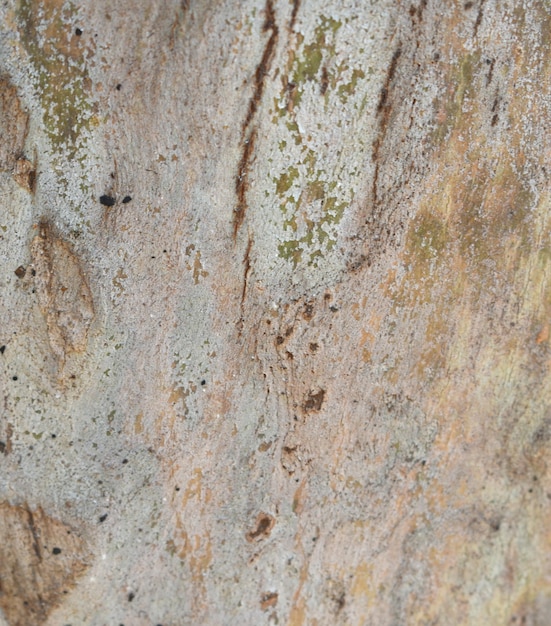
{"points": [[263, 527], [268, 600]]}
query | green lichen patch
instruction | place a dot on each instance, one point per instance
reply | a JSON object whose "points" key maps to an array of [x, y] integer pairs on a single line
{"points": [[311, 209], [345, 90], [306, 62], [61, 78], [449, 109]]}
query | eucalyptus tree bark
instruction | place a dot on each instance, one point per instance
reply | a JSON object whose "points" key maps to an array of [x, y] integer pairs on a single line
{"points": [[275, 312]]}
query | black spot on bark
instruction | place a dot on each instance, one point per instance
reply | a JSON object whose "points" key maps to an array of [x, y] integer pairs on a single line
{"points": [[107, 200]]}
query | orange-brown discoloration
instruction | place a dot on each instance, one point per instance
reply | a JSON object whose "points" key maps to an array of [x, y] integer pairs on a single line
{"points": [[41, 559]]}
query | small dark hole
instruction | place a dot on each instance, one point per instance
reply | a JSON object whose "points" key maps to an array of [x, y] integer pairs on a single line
{"points": [[126, 199], [118, 87], [53, 435], [78, 32], [124, 461], [2, 349], [33, 272], [203, 382], [176, 488], [107, 200], [56, 551], [14, 377], [131, 596], [103, 517]]}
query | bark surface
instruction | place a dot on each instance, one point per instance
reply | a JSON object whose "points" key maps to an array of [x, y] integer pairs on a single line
{"points": [[275, 313]]}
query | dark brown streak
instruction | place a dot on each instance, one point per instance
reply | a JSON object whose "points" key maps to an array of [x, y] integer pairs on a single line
{"points": [[247, 264], [36, 547], [490, 72], [34, 533], [422, 7], [324, 80], [479, 17], [389, 76], [296, 6], [384, 109], [264, 65], [242, 180]]}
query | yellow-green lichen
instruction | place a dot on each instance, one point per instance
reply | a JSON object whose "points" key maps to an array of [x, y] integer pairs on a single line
{"points": [[305, 63], [347, 89], [61, 77], [311, 209], [449, 110]]}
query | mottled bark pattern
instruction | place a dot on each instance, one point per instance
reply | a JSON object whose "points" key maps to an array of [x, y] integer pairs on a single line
{"points": [[312, 387]]}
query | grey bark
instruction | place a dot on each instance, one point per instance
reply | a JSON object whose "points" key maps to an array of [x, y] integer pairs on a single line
{"points": [[275, 312]]}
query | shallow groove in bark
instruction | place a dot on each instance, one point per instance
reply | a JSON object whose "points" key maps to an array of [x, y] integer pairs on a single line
{"points": [[241, 183]]}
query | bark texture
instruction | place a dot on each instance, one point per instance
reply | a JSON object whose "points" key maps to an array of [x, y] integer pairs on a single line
{"points": [[275, 314]]}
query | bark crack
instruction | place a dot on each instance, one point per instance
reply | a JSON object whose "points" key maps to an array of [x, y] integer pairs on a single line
{"points": [[479, 17], [384, 109], [296, 7], [248, 133]]}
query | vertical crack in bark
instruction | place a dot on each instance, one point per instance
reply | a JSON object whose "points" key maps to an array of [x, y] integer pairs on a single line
{"points": [[384, 109], [247, 264], [247, 269], [296, 7], [34, 533], [479, 17], [36, 548], [242, 182], [249, 135]]}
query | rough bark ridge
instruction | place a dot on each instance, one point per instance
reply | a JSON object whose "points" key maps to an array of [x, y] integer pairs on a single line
{"points": [[275, 319]]}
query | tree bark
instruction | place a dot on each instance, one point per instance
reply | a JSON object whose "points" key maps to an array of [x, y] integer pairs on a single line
{"points": [[275, 310]]}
